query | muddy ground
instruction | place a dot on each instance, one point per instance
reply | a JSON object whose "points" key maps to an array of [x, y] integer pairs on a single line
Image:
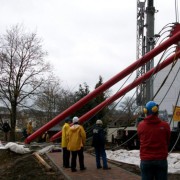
{"points": [[26, 167]]}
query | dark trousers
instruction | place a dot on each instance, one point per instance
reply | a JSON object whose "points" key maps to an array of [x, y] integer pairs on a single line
{"points": [[100, 152], [154, 170], [6, 136], [66, 156], [74, 157]]}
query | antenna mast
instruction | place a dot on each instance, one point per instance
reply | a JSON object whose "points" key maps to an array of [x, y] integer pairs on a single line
{"points": [[145, 43]]}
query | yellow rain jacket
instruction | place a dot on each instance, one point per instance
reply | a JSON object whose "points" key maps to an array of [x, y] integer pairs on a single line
{"points": [[29, 129], [65, 130], [76, 137]]}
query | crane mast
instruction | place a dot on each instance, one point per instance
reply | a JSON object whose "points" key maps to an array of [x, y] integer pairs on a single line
{"points": [[145, 43], [140, 90]]}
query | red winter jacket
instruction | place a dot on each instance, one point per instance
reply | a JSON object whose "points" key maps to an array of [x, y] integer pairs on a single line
{"points": [[154, 135]]}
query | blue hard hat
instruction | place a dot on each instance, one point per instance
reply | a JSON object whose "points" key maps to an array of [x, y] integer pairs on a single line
{"points": [[151, 108]]}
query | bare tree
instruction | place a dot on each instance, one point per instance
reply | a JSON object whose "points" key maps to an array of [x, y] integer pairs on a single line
{"points": [[53, 99], [22, 70], [128, 106], [47, 100], [66, 99]]}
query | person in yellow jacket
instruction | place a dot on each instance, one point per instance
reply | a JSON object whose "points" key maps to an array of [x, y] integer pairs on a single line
{"points": [[76, 140], [29, 128], [66, 152]]}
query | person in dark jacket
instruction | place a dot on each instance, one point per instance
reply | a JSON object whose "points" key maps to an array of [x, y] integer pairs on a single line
{"points": [[98, 143], [6, 129], [154, 135], [45, 137]]}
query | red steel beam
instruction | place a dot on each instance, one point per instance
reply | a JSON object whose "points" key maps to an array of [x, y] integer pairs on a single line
{"points": [[147, 57], [123, 91]]}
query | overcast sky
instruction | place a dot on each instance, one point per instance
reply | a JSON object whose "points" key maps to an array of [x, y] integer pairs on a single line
{"points": [[84, 38]]}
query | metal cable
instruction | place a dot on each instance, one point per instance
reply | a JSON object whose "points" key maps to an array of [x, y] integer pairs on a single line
{"points": [[176, 11]]}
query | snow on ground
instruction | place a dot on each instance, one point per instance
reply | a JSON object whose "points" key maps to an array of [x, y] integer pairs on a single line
{"points": [[132, 157], [17, 148]]}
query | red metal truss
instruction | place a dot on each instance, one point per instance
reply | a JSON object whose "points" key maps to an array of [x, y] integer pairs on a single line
{"points": [[136, 82], [147, 57]]}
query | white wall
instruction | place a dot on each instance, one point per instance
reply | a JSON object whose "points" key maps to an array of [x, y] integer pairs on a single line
{"points": [[172, 95]]}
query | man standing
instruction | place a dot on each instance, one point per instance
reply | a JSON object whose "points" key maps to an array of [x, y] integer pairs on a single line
{"points": [[45, 137], [76, 141], [6, 129], [98, 143], [154, 135], [66, 152]]}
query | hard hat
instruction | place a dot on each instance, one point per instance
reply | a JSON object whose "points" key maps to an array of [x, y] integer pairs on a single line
{"points": [[99, 122], [75, 119], [151, 108], [68, 119]]}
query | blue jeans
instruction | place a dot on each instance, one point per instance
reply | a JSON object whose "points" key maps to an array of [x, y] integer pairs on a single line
{"points": [[154, 169], [100, 152]]}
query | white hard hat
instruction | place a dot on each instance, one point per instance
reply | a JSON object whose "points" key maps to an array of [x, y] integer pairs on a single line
{"points": [[99, 122], [75, 119]]}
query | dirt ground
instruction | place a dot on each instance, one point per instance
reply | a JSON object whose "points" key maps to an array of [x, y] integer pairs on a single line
{"points": [[27, 167]]}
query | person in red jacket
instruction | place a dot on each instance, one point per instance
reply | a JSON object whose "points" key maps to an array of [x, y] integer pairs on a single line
{"points": [[154, 136]]}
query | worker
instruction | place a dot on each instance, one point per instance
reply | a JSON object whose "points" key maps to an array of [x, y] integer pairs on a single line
{"points": [[98, 143], [29, 128], [154, 136], [66, 152], [45, 137], [6, 129], [76, 142]]}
